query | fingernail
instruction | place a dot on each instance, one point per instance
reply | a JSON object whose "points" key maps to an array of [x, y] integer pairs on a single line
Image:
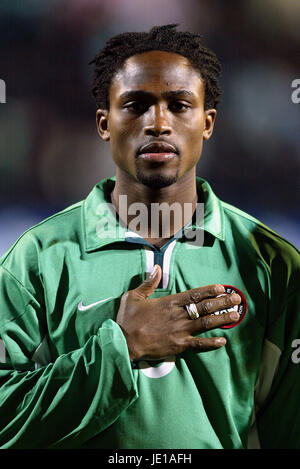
{"points": [[235, 297], [220, 289], [234, 316], [221, 340], [154, 270]]}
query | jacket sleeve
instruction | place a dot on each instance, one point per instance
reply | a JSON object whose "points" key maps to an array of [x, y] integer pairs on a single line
{"points": [[66, 402], [277, 412], [278, 416]]}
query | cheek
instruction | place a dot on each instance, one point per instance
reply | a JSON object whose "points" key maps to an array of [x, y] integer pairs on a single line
{"points": [[193, 135], [193, 142], [122, 131], [118, 142], [121, 144]]}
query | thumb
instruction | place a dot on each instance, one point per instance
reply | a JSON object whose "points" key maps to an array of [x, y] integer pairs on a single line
{"points": [[152, 281]]}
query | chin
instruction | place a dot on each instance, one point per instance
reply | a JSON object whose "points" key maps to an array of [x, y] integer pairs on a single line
{"points": [[156, 181]]}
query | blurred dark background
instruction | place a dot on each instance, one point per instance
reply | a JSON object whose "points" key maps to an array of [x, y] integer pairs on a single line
{"points": [[50, 152]]}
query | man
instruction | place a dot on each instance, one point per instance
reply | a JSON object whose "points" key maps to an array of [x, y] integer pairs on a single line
{"points": [[176, 338]]}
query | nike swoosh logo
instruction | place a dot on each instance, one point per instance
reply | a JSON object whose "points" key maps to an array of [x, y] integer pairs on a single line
{"points": [[81, 307]]}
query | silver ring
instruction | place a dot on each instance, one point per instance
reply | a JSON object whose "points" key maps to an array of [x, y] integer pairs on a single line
{"points": [[192, 311]]}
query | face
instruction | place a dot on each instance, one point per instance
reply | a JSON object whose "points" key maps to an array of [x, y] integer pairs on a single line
{"points": [[156, 122]]}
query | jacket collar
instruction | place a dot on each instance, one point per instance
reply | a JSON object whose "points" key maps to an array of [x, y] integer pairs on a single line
{"points": [[101, 226]]}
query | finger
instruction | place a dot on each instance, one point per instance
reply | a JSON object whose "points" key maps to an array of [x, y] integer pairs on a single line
{"points": [[147, 288], [212, 305], [203, 344], [208, 322], [195, 295]]}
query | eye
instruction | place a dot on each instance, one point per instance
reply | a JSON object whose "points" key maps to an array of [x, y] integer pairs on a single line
{"points": [[178, 106], [136, 107]]}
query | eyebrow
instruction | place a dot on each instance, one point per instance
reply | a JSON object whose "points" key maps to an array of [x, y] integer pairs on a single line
{"points": [[147, 94]]}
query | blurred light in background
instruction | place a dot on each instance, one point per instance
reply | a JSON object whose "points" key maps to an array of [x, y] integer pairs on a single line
{"points": [[50, 153]]}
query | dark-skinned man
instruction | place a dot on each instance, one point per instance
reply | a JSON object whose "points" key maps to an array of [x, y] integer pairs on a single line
{"points": [[119, 337]]}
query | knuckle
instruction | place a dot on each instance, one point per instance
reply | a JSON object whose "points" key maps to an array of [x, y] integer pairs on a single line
{"points": [[204, 307], [171, 303], [206, 322], [173, 314], [195, 296], [175, 348], [228, 300], [199, 343]]}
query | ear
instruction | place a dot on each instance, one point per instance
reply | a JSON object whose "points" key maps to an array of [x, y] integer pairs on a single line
{"points": [[209, 121], [102, 124]]}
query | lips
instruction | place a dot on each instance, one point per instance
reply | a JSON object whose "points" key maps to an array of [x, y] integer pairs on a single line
{"points": [[157, 151], [157, 147]]}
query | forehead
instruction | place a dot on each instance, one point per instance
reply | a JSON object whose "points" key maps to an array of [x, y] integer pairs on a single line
{"points": [[155, 71]]}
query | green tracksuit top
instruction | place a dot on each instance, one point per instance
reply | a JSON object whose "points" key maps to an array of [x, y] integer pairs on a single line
{"points": [[66, 380]]}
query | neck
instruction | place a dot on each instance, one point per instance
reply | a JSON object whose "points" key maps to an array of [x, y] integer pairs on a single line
{"points": [[155, 214]]}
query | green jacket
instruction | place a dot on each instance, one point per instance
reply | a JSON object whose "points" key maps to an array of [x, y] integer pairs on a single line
{"points": [[66, 380]]}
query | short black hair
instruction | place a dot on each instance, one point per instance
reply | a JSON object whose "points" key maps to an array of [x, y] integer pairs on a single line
{"points": [[165, 38]]}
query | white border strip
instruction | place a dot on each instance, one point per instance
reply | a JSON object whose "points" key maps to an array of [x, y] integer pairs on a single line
{"points": [[2, 352], [166, 263], [149, 259], [132, 234]]}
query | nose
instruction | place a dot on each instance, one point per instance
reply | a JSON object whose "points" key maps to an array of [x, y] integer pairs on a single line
{"points": [[157, 122]]}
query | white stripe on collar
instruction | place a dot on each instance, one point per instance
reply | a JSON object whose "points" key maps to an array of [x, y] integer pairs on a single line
{"points": [[166, 263]]}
